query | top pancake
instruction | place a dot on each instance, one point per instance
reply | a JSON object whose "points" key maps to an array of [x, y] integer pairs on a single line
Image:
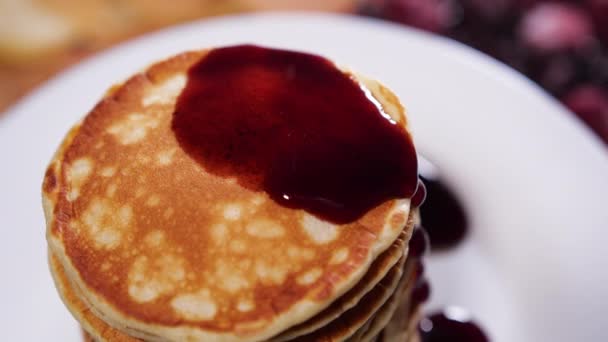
{"points": [[162, 249]]}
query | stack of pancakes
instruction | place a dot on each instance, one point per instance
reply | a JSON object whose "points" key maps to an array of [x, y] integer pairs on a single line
{"points": [[145, 245]]}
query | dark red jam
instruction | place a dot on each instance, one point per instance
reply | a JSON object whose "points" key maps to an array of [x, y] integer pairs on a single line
{"points": [[442, 215], [295, 126], [419, 243], [439, 327], [421, 291]]}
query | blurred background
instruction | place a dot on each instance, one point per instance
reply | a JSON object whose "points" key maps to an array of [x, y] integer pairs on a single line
{"points": [[561, 45]]}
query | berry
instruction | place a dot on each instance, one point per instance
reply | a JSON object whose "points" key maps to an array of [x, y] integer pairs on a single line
{"points": [[590, 103], [430, 15], [599, 13], [553, 27]]}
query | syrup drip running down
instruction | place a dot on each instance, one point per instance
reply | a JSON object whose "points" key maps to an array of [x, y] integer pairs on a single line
{"points": [[297, 127]]}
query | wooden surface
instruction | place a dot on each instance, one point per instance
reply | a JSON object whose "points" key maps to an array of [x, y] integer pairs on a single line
{"points": [[38, 38]]}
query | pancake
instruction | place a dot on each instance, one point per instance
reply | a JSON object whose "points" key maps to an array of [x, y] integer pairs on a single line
{"points": [[98, 330], [352, 320], [409, 333], [95, 329], [384, 315], [403, 326], [379, 268], [376, 323], [161, 249], [397, 320], [88, 338]]}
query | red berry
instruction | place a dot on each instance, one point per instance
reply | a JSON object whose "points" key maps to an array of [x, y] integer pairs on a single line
{"points": [[557, 73], [590, 103], [551, 27], [490, 10], [599, 12], [430, 15], [526, 3]]}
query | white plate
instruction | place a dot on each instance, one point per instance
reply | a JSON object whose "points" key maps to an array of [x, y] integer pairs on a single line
{"points": [[534, 179]]}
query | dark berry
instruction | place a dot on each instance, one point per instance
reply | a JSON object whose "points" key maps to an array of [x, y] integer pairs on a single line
{"points": [[599, 13], [430, 15], [590, 103]]}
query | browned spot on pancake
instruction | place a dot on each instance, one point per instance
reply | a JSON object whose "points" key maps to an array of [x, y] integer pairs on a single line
{"points": [[166, 92], [309, 277], [155, 239], [77, 174], [133, 128], [245, 305], [149, 279], [300, 253], [195, 306], [165, 158], [108, 171], [398, 220], [265, 228], [87, 337], [50, 180], [106, 223], [153, 201], [319, 231], [168, 213], [339, 256]]}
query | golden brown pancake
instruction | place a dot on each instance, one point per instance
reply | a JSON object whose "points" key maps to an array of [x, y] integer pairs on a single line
{"points": [[87, 337], [403, 325], [397, 319], [401, 297], [98, 330], [377, 271], [95, 328], [352, 320], [372, 327], [163, 250]]}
